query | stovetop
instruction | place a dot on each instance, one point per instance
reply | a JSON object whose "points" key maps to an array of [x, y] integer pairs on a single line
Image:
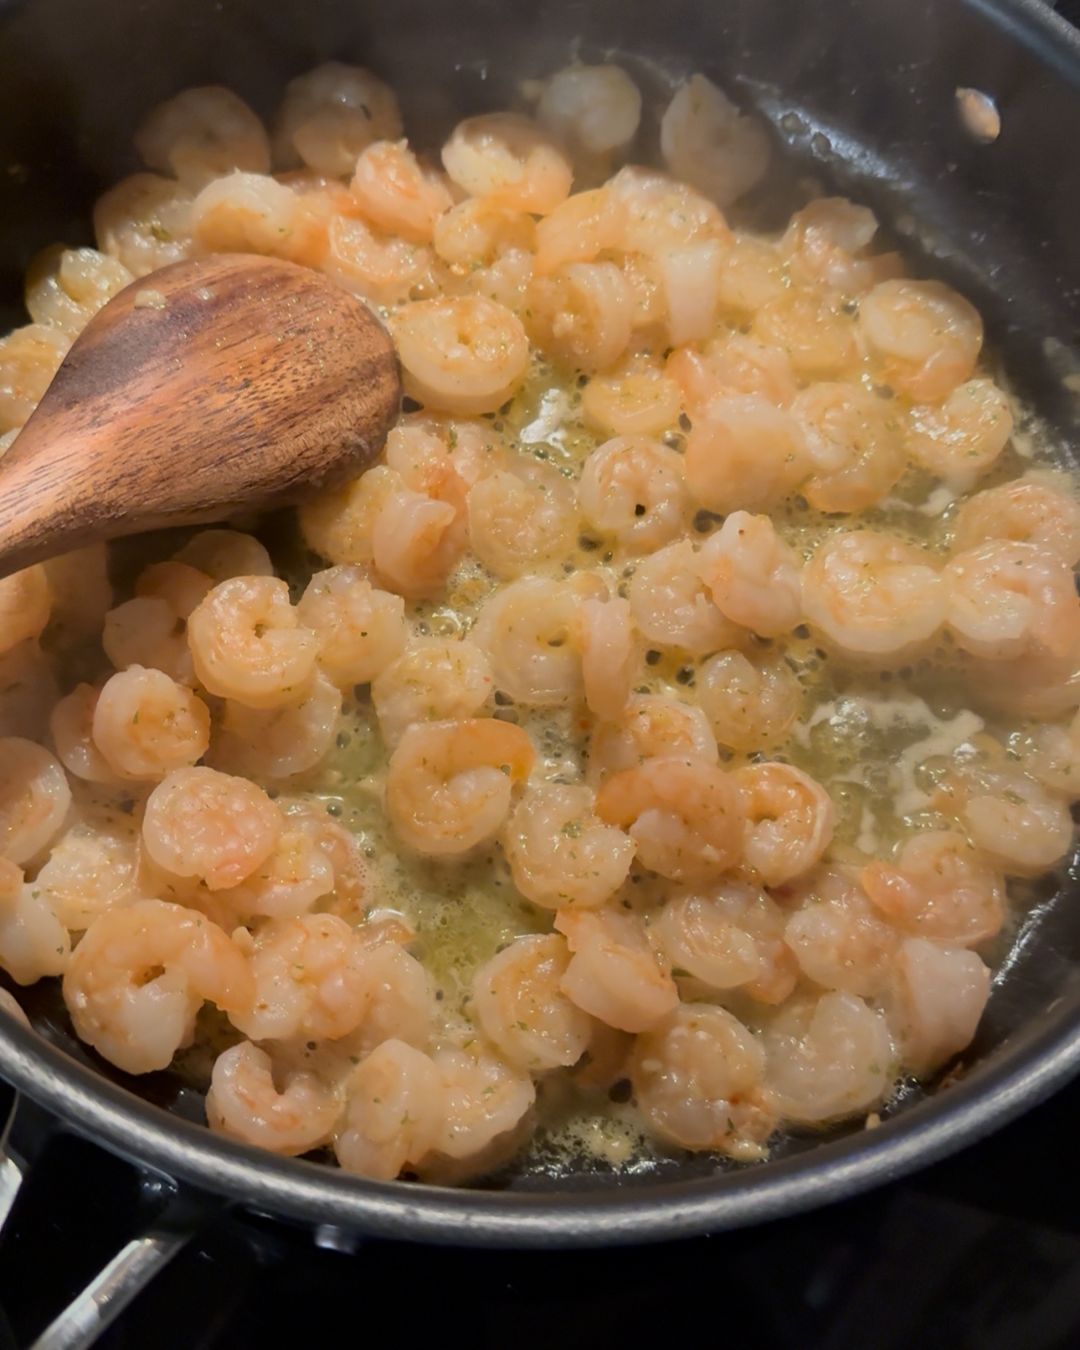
{"points": [[980, 1252]]}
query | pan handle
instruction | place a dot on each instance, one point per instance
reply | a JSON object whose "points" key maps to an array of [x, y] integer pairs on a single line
{"points": [[175, 1215]]}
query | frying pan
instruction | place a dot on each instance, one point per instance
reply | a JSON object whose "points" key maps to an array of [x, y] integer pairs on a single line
{"points": [[863, 95]]}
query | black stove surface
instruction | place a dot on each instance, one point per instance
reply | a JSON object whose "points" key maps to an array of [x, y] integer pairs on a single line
{"points": [[980, 1252]]}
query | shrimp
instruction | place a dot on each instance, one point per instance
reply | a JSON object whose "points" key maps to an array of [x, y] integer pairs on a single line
{"points": [[873, 594], [506, 158], [636, 401], [732, 366], [1037, 685], [247, 643], [689, 280], [483, 1101], [939, 888], [940, 994], [632, 488], [685, 816], [28, 691], [521, 516], [818, 335], [854, 446], [144, 222], [145, 725], [579, 230], [744, 454], [825, 246], [649, 726], [613, 974], [381, 269], [394, 1106], [202, 134], [25, 606], [339, 524], [224, 554], [34, 799], [460, 354], [148, 632], [292, 879], [826, 1057], [29, 358], [360, 629], [961, 438], [581, 315], [752, 276], [608, 652], [519, 1004], [528, 631], [1014, 822], [179, 584], [1054, 758], [789, 820], [92, 867], [65, 287], [139, 976], [329, 115], [402, 1001], [279, 742], [840, 940], [671, 605], [351, 875], [1035, 509], [396, 193], [561, 854], [34, 943], [431, 681], [924, 337], [752, 575], [253, 213], [449, 785], [595, 110], [477, 233], [751, 701], [662, 213], [697, 1080], [246, 1103], [71, 725], [709, 144], [1007, 600], [209, 825], [730, 937]]}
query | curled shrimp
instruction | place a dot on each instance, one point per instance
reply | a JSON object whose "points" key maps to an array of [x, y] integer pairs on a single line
{"points": [[671, 605], [71, 723], [339, 524], [29, 358], [924, 337], [381, 269], [146, 724], [1013, 821], [855, 448], [751, 700], [632, 488], [788, 817], [636, 400], [330, 114], [393, 1112], [254, 213], [734, 366], [296, 875], [649, 726], [416, 542], [684, 816], [449, 785], [25, 606], [613, 974], [825, 246], [581, 314], [34, 798], [608, 652], [244, 1102], [560, 853], [144, 222], [743, 453], [939, 888], [579, 230], [529, 629], [396, 193], [33, 941], [65, 287], [520, 1006], [1007, 600], [838, 937], [484, 1103], [507, 159], [460, 354], [220, 555], [433, 680], [697, 1079], [659, 212], [873, 594], [1035, 509], [139, 976], [593, 109], [816, 332], [282, 741], [521, 516], [360, 628], [940, 993], [708, 143], [92, 867], [752, 574], [202, 134], [961, 438]]}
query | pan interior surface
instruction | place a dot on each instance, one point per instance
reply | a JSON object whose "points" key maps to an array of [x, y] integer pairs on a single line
{"points": [[851, 93]]}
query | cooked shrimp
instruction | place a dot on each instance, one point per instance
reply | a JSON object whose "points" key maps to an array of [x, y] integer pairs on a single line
{"points": [[245, 1102], [561, 854], [145, 724], [1037, 685], [730, 937], [840, 939], [816, 332], [689, 281], [939, 888], [521, 517], [34, 799], [873, 594], [960, 439], [360, 629], [278, 742], [708, 143], [520, 1006], [528, 631], [855, 449], [205, 824], [751, 701], [732, 366], [632, 488], [288, 883], [697, 1079], [340, 847], [339, 524], [253, 213], [671, 605], [788, 817], [25, 606], [179, 584], [826, 1057], [330, 114], [581, 315], [247, 643], [825, 245], [65, 287], [483, 1100], [637, 400], [924, 337], [509, 160], [432, 681], [402, 1000], [1054, 758], [940, 996], [613, 974], [477, 232], [393, 1112], [29, 358], [684, 815], [1015, 822], [594, 110], [139, 976], [28, 691], [449, 785], [202, 134], [1007, 600], [608, 655], [33, 942], [223, 554], [71, 723], [744, 454], [149, 632], [396, 193], [752, 276], [92, 867], [1034, 509], [650, 725], [144, 222], [381, 269], [460, 354], [661, 213], [752, 574]]}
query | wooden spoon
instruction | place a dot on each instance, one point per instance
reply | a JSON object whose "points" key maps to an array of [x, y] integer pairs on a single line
{"points": [[211, 387]]}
